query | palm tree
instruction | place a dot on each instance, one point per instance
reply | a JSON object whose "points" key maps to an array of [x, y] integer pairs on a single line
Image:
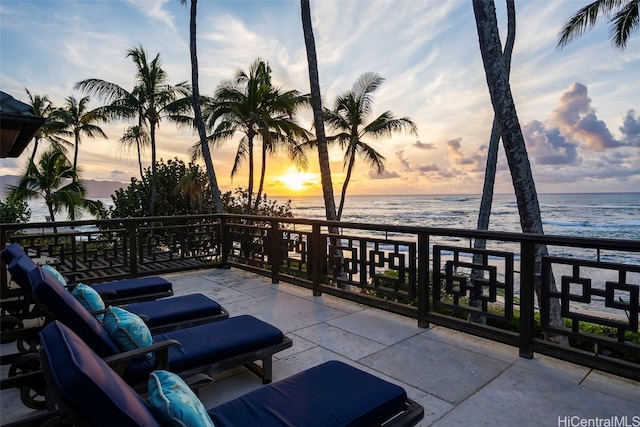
{"points": [[512, 138], [316, 104], [137, 137], [78, 121], [352, 110], [199, 122], [151, 100], [285, 133], [56, 181], [252, 106], [43, 107], [625, 20]]}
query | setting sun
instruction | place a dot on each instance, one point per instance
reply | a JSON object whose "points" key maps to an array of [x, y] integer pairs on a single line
{"points": [[297, 181]]}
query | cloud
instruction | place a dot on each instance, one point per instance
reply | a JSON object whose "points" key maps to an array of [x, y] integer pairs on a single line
{"points": [[431, 167], [119, 174], [153, 9], [576, 119], [421, 168], [384, 175], [406, 166], [424, 146], [631, 129], [547, 146], [473, 162]]}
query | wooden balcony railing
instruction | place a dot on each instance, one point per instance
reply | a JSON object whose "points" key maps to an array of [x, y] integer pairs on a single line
{"points": [[432, 274]]}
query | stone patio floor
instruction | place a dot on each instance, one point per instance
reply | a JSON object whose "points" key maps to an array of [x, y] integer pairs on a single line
{"points": [[459, 379]]}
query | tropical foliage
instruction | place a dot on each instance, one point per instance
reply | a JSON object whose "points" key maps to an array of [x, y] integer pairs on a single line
{"points": [[151, 100], [625, 20], [250, 105], [77, 121], [55, 180], [183, 189], [42, 107], [136, 137], [14, 211], [351, 118]]}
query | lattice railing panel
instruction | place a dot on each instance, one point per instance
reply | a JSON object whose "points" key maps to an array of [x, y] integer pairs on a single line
{"points": [[598, 293], [382, 267], [466, 280]]}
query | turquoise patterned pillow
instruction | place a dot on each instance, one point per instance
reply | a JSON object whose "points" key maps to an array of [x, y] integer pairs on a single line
{"points": [[174, 403], [89, 298], [127, 330], [56, 274]]}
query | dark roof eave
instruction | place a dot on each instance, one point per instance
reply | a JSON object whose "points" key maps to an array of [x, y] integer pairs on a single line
{"points": [[16, 131]]}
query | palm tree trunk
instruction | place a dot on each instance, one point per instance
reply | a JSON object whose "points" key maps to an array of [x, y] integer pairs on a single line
{"points": [[206, 153], [52, 216], [321, 138], [152, 199], [35, 148], [513, 140], [494, 140], [316, 104], [492, 159], [347, 178], [250, 186], [140, 161], [263, 169], [75, 152]]}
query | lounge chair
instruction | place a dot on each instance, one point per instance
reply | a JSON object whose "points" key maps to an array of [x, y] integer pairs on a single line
{"points": [[88, 392], [210, 347], [160, 315], [117, 292]]}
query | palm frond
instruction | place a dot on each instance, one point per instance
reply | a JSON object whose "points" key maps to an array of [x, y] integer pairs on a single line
{"points": [[623, 23], [585, 18]]}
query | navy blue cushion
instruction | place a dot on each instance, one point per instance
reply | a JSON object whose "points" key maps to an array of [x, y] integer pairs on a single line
{"points": [[88, 385], [331, 394], [173, 310], [134, 287], [19, 269], [64, 307], [206, 344], [11, 252]]}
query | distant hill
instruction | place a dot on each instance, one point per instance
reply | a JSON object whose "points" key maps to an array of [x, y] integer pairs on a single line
{"points": [[96, 189]]}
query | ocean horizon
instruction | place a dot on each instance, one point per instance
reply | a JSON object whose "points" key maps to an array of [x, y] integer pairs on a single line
{"points": [[600, 215]]}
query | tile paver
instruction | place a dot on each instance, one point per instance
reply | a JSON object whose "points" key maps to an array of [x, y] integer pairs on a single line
{"points": [[458, 378]]}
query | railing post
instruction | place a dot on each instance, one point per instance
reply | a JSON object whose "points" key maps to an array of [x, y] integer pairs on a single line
{"points": [[74, 255], [133, 248], [275, 239], [315, 258], [423, 280], [527, 292], [4, 282], [223, 239]]}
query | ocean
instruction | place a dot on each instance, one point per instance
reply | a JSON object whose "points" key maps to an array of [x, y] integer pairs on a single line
{"points": [[607, 215]]}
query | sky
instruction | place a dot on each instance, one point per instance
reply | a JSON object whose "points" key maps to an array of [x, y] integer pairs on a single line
{"points": [[579, 108]]}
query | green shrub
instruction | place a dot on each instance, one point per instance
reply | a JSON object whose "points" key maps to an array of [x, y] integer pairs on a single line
{"points": [[14, 211]]}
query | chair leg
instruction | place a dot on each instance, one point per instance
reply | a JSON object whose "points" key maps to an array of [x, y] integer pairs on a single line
{"points": [[267, 370]]}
